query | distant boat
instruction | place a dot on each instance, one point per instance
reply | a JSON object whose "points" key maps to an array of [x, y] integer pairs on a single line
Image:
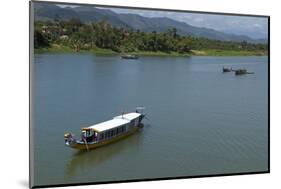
{"points": [[237, 72], [242, 72], [107, 132], [129, 56], [226, 69]]}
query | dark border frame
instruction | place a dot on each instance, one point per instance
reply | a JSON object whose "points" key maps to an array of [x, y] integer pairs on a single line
{"points": [[141, 8]]}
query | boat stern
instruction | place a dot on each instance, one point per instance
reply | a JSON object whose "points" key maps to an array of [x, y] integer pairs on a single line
{"points": [[140, 110]]}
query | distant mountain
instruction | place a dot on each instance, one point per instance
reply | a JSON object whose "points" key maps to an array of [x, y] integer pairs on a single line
{"points": [[46, 11]]}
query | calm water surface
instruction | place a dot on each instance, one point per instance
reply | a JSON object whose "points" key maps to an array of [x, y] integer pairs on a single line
{"points": [[201, 121]]}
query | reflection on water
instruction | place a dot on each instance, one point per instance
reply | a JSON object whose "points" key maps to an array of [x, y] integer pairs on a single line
{"points": [[84, 160]]}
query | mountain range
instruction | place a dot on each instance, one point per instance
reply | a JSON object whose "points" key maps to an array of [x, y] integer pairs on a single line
{"points": [[46, 11]]}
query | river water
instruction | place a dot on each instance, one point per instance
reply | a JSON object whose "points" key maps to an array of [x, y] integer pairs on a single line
{"points": [[201, 121]]}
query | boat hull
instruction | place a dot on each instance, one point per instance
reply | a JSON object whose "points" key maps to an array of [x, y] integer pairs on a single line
{"points": [[129, 57], [82, 146]]}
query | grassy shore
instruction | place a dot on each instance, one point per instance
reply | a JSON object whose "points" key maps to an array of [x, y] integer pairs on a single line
{"points": [[55, 48], [98, 51], [214, 52], [65, 49]]}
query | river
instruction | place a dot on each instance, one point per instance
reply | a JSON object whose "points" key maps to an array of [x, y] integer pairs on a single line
{"points": [[201, 121]]}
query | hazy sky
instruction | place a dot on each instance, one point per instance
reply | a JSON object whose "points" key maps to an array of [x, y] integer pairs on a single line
{"points": [[255, 27]]}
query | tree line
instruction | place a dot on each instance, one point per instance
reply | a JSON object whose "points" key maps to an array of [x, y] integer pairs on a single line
{"points": [[85, 36]]}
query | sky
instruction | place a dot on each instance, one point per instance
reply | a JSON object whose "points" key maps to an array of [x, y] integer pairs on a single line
{"points": [[254, 27]]}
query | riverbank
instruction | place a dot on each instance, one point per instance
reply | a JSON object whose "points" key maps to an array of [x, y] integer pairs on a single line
{"points": [[55, 48], [216, 52]]}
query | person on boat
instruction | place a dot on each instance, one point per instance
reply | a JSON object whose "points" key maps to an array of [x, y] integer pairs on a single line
{"points": [[95, 137], [84, 136]]}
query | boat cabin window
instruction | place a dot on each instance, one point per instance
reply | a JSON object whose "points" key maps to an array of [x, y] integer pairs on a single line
{"points": [[101, 136], [106, 134], [118, 130], [113, 132]]}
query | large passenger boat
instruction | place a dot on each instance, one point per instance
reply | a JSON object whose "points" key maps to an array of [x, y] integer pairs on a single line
{"points": [[107, 132]]}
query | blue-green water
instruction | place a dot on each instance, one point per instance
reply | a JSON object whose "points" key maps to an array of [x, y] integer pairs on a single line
{"points": [[202, 121]]}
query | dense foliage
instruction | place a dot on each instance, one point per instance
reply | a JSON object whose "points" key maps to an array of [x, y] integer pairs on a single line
{"points": [[79, 36]]}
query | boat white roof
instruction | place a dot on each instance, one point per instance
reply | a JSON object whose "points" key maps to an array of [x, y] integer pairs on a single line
{"points": [[128, 116], [115, 122]]}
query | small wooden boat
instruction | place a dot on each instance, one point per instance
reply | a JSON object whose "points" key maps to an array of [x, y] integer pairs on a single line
{"points": [[129, 56], [226, 69], [242, 72], [106, 132]]}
